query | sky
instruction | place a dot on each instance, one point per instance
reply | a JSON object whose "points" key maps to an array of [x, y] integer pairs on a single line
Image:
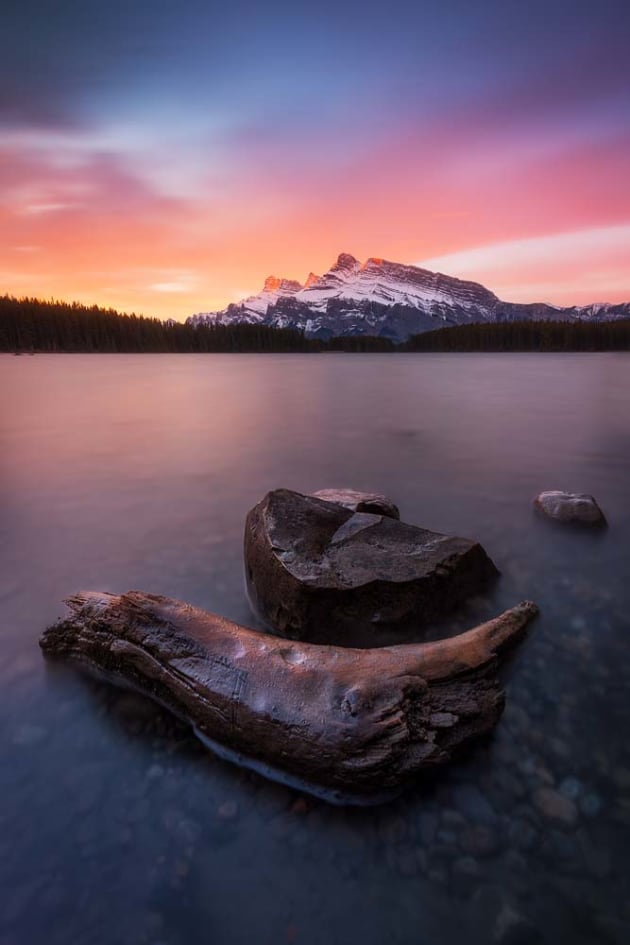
{"points": [[165, 157]]}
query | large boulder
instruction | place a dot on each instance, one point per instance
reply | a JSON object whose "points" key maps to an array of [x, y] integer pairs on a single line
{"points": [[574, 508], [316, 570]]}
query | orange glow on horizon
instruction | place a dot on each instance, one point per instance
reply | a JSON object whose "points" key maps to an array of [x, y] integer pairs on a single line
{"points": [[100, 234]]}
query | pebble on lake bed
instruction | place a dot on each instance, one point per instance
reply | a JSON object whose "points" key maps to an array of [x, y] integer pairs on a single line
{"points": [[555, 806], [228, 810]]}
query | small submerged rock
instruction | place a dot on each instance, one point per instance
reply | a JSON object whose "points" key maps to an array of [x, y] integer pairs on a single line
{"points": [[228, 810], [474, 805], [28, 735], [479, 841], [555, 806], [570, 508], [373, 502], [323, 571], [571, 788], [512, 928]]}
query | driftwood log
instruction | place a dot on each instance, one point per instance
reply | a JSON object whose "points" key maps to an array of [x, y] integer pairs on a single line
{"points": [[348, 724]]}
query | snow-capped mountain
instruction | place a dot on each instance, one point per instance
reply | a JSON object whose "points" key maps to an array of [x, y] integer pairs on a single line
{"points": [[387, 299]]}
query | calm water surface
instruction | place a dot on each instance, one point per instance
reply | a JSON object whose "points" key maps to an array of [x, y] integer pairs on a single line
{"points": [[121, 472]]}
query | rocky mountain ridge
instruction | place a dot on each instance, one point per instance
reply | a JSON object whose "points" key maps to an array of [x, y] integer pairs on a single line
{"points": [[386, 299]]}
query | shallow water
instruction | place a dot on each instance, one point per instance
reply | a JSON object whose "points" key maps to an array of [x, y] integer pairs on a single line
{"points": [[121, 472]]}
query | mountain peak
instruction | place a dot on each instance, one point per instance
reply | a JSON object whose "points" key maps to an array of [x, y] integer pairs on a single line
{"points": [[272, 284], [385, 298], [284, 286], [346, 261]]}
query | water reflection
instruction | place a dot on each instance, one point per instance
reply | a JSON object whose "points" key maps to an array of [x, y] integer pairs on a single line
{"points": [[120, 472]]}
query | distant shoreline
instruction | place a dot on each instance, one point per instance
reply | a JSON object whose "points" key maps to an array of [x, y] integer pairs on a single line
{"points": [[395, 351], [29, 326]]}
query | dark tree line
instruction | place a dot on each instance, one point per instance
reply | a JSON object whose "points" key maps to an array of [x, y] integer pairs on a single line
{"points": [[33, 325], [526, 336], [358, 343]]}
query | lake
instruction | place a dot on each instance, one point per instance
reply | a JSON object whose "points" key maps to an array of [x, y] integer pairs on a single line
{"points": [[137, 471]]}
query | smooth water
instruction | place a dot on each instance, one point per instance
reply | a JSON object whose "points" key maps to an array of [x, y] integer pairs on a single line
{"points": [[119, 472]]}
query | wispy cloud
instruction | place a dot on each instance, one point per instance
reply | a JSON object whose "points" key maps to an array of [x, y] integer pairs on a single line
{"points": [[159, 156], [184, 282], [559, 264]]}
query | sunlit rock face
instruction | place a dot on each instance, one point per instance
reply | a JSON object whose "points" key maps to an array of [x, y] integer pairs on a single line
{"points": [[386, 299], [281, 286], [320, 571], [570, 508]]}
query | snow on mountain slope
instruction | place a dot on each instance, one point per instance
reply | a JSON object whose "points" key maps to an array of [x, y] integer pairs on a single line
{"points": [[378, 280], [254, 308], [384, 298]]}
